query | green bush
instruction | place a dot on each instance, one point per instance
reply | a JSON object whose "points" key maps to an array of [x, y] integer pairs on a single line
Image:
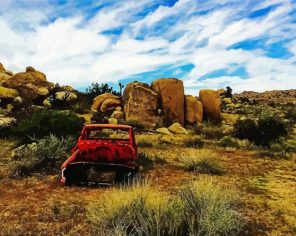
{"points": [[211, 209], [267, 128], [42, 156], [45, 122], [210, 131], [228, 142]]}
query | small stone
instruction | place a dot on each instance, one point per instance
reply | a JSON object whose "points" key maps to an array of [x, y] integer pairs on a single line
{"points": [[177, 128], [163, 130], [113, 121]]}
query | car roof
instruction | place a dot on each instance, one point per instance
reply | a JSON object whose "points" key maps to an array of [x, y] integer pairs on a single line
{"points": [[111, 126]]}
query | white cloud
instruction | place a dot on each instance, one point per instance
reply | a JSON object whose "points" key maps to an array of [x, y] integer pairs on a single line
{"points": [[73, 50]]}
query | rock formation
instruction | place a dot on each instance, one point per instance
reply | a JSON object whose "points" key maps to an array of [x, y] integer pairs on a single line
{"points": [[98, 101], [193, 109], [211, 104], [140, 105], [171, 99]]}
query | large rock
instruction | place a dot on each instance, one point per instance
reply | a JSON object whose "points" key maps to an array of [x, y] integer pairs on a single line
{"points": [[177, 128], [4, 76], [163, 130], [130, 87], [171, 95], [30, 84], [140, 105], [66, 96], [211, 104], [194, 109], [7, 93], [98, 100], [110, 104], [1, 67]]}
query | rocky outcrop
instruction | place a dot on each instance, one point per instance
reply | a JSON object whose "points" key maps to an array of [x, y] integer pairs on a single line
{"points": [[66, 96], [193, 109], [110, 104], [177, 128], [171, 99], [140, 105], [211, 104], [6, 93], [98, 101], [2, 67], [29, 84]]}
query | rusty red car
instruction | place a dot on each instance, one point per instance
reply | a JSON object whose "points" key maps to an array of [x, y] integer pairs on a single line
{"points": [[104, 154]]}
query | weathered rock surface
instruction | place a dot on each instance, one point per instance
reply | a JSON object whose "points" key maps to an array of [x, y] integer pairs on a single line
{"points": [[98, 100], [211, 104], [6, 121], [117, 115], [163, 130], [1, 67], [30, 84], [66, 96], [130, 87], [113, 121], [4, 76], [8, 93], [194, 109], [171, 96], [140, 105], [177, 128], [109, 104]]}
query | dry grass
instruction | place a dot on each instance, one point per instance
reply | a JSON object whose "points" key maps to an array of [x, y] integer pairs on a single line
{"points": [[201, 161]]}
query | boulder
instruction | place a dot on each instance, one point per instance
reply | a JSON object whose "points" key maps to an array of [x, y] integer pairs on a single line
{"points": [[163, 130], [140, 105], [118, 109], [66, 96], [211, 104], [67, 88], [130, 87], [8, 93], [109, 104], [18, 101], [171, 96], [30, 84], [193, 110], [47, 103], [98, 100], [2, 67], [6, 121], [177, 128], [3, 77], [113, 121], [117, 115]]}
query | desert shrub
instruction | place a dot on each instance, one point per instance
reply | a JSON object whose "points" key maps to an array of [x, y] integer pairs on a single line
{"points": [[202, 208], [145, 143], [211, 209], [138, 210], [148, 160], [201, 161], [210, 131], [44, 155], [228, 142], [269, 127], [291, 113], [194, 142], [45, 122]]}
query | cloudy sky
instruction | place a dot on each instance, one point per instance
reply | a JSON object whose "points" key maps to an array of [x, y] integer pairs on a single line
{"points": [[246, 44]]}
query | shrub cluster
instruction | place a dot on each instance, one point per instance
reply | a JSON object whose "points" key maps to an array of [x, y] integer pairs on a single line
{"points": [[202, 208], [43, 156], [267, 128], [148, 160], [45, 122]]}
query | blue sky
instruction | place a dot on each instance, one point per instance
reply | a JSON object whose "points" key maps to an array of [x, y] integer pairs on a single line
{"points": [[248, 45]]}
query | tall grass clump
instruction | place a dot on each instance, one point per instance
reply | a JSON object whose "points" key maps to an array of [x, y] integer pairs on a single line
{"points": [[138, 210], [202, 161], [211, 209], [201, 208], [43, 155]]}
